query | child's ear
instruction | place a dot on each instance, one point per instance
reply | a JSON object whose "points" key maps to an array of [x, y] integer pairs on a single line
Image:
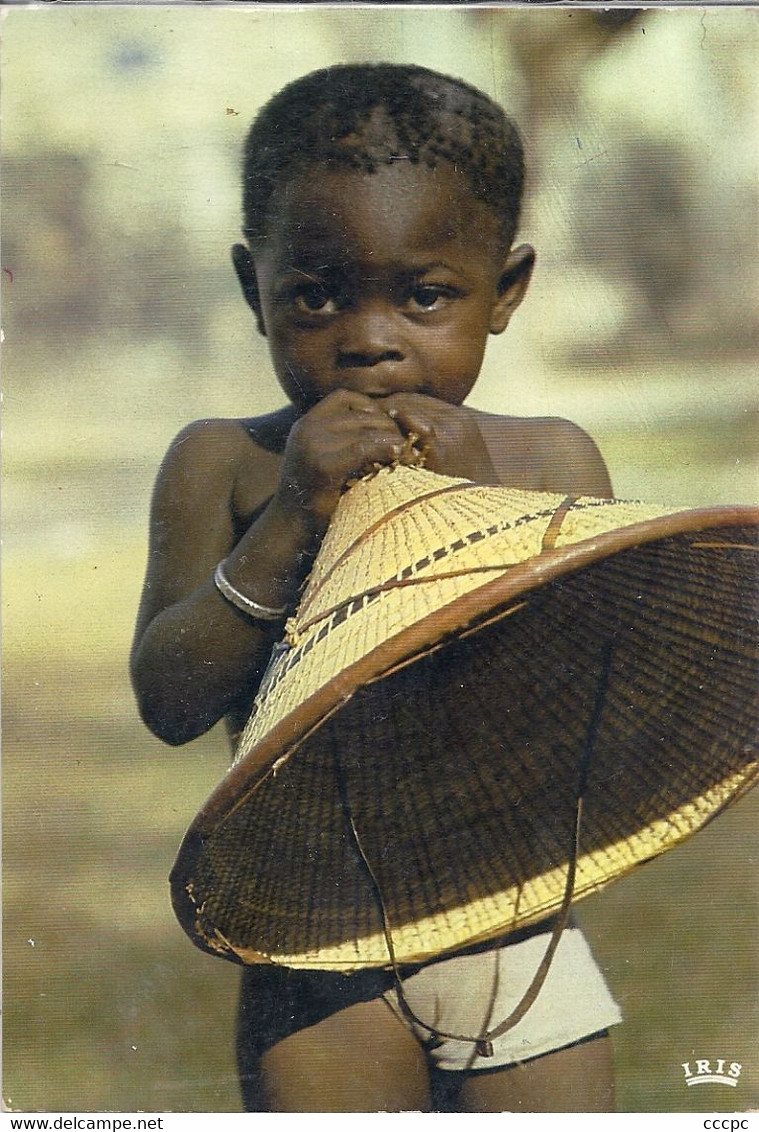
{"points": [[512, 285], [246, 274]]}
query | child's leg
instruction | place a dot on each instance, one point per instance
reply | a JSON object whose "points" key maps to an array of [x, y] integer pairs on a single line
{"points": [[579, 1078], [322, 1041], [361, 1059]]}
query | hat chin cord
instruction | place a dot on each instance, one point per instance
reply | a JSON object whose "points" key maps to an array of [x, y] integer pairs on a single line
{"points": [[483, 1042]]}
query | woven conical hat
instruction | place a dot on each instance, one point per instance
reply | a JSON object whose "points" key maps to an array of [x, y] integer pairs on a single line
{"points": [[464, 662]]}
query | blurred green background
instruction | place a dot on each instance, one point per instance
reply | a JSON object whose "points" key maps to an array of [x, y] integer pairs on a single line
{"points": [[122, 129]]}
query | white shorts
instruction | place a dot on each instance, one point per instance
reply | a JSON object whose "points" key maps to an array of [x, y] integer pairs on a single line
{"points": [[471, 994]]}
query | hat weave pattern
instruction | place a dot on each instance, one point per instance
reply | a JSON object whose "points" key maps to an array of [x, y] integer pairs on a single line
{"points": [[414, 757]]}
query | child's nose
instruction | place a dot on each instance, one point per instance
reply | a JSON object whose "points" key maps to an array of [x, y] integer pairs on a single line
{"points": [[371, 335]]}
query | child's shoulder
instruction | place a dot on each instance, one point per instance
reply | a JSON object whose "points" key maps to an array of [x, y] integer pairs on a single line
{"points": [[544, 454], [264, 434], [232, 458]]}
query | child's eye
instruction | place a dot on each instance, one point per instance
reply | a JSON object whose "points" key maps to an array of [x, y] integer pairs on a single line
{"points": [[314, 298], [430, 296]]}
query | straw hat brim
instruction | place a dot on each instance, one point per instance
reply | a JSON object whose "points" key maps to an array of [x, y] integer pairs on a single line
{"points": [[270, 870]]}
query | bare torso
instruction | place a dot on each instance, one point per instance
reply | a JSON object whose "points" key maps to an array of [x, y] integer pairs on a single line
{"points": [[533, 453]]}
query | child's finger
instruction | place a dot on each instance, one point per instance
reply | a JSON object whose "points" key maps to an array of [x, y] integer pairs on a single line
{"points": [[363, 421], [351, 401], [349, 441], [412, 416], [376, 450], [344, 411]]}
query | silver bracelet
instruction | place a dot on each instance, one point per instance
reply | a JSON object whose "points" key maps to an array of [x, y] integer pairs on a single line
{"points": [[240, 601]]}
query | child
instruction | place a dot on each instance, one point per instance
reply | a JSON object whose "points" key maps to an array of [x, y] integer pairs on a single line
{"points": [[380, 207]]}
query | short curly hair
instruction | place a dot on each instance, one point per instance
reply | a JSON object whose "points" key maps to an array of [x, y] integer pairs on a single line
{"points": [[364, 116]]}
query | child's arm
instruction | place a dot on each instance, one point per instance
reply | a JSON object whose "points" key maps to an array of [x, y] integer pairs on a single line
{"points": [[539, 453], [195, 656], [188, 640]]}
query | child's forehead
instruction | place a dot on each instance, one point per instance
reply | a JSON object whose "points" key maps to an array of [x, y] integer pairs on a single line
{"points": [[401, 204]]}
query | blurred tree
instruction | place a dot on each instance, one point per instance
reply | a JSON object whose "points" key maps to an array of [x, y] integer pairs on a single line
{"points": [[50, 246], [635, 191], [553, 51]]}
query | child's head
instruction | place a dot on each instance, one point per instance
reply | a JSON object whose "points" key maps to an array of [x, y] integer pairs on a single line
{"points": [[380, 205], [364, 116]]}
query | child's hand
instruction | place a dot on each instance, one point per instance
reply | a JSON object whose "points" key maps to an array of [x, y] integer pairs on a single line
{"points": [[448, 435], [343, 435]]}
